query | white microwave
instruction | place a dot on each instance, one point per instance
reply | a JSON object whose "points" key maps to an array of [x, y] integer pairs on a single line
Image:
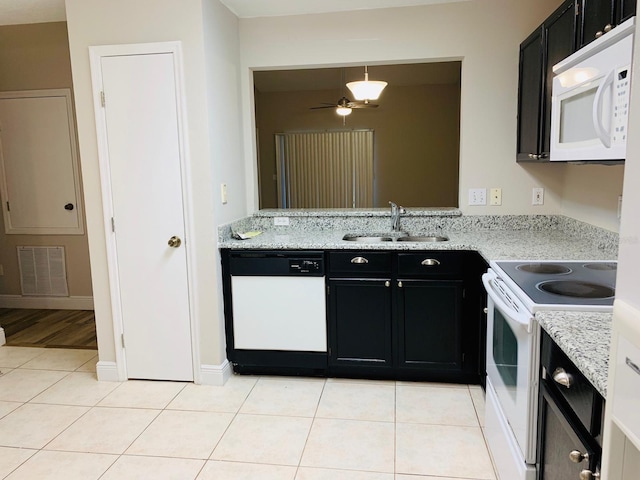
{"points": [[590, 100]]}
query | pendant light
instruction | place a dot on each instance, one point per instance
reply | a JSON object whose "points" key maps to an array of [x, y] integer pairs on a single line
{"points": [[366, 89]]}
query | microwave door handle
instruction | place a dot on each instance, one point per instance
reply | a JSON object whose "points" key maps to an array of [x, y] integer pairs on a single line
{"points": [[598, 124]]}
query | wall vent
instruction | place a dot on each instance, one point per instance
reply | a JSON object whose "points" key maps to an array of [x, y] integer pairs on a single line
{"points": [[43, 271]]}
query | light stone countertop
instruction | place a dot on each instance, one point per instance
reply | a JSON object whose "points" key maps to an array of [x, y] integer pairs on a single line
{"points": [[585, 337]]}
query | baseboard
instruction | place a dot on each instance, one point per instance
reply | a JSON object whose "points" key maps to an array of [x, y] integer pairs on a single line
{"points": [[107, 372], [3, 339], [51, 303], [215, 374]]}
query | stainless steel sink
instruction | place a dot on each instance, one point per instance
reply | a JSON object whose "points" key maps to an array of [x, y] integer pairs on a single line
{"points": [[425, 238], [366, 238]]}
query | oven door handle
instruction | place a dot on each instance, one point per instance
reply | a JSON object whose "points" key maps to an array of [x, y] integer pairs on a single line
{"points": [[522, 318]]}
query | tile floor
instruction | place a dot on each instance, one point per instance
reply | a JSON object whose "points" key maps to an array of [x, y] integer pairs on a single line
{"points": [[58, 422]]}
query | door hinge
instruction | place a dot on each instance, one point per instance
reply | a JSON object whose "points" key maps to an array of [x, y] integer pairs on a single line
{"points": [[328, 290], [464, 293], [122, 339], [113, 225], [8, 207], [463, 358], [102, 101], [577, 5]]}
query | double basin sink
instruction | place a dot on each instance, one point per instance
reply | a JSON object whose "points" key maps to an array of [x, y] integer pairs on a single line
{"points": [[364, 238]]}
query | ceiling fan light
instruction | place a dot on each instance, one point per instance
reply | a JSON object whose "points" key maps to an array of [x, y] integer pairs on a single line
{"points": [[366, 89], [344, 111]]}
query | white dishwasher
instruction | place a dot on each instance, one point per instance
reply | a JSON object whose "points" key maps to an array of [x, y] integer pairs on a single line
{"points": [[275, 308]]}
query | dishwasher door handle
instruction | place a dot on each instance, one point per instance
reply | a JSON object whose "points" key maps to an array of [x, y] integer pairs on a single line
{"points": [[359, 260]]}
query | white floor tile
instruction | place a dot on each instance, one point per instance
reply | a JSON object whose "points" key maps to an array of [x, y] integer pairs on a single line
{"points": [[8, 407], [435, 406], [104, 430], [350, 445], [142, 394], [182, 434], [355, 401], [215, 470], [208, 398], [77, 388], [308, 473], [153, 468], [12, 458], [33, 426], [89, 366], [283, 397], [13, 357], [63, 466], [477, 395], [22, 385], [60, 359], [422, 477], [445, 451], [264, 439]]}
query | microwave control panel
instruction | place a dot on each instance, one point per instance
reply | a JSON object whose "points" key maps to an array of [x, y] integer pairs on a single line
{"points": [[621, 90]]}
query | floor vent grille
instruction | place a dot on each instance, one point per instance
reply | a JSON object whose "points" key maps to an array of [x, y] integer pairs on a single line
{"points": [[43, 271]]}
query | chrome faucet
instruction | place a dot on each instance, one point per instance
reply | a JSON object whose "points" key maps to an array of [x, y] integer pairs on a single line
{"points": [[396, 211]]}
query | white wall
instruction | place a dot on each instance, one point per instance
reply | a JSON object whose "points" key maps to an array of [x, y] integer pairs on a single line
{"points": [[96, 22], [485, 35]]}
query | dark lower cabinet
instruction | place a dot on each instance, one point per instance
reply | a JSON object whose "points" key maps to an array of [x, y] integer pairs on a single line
{"points": [[405, 315], [430, 324], [360, 332], [570, 419]]}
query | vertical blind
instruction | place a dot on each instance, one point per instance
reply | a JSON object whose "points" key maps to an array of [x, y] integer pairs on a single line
{"points": [[325, 169]]}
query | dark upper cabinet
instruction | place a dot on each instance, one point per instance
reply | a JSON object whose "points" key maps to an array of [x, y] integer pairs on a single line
{"points": [[553, 41], [597, 17]]}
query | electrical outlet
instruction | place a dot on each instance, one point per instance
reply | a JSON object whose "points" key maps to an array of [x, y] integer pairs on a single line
{"points": [[495, 196], [223, 193], [281, 221], [477, 196], [538, 196]]}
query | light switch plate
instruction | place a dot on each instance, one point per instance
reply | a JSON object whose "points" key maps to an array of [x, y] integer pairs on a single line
{"points": [[477, 196]]}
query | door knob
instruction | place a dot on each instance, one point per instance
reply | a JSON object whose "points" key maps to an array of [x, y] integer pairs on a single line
{"points": [[68, 206], [174, 242]]}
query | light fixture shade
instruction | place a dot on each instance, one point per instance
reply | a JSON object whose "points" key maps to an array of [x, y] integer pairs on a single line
{"points": [[366, 89], [344, 111]]}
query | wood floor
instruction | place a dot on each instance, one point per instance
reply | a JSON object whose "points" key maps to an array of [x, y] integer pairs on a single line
{"points": [[49, 328]]}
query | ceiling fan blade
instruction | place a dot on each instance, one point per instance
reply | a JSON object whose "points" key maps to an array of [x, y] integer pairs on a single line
{"points": [[327, 106], [363, 105]]}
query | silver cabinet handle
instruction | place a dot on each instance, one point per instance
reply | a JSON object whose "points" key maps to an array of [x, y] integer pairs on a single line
{"points": [[588, 475], [562, 377], [485, 310], [387, 284], [399, 284], [576, 456], [608, 27], [599, 33], [359, 260], [430, 262], [632, 365]]}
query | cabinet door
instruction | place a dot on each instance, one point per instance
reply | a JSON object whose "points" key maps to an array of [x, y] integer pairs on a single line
{"points": [[559, 43], [626, 10], [595, 16], [360, 323], [429, 324], [557, 438], [529, 91]]}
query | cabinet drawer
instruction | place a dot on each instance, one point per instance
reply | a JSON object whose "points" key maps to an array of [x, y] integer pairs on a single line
{"points": [[580, 394], [358, 263], [431, 263]]}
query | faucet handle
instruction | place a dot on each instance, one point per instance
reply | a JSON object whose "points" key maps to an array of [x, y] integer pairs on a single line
{"points": [[402, 210]]}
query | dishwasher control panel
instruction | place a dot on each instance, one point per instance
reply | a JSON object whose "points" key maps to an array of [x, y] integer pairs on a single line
{"points": [[299, 266]]}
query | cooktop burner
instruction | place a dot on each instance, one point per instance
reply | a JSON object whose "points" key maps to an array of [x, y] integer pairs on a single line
{"points": [[560, 284], [546, 268], [577, 289]]}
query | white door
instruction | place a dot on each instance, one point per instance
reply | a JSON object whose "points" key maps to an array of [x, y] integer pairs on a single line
{"points": [[143, 150]]}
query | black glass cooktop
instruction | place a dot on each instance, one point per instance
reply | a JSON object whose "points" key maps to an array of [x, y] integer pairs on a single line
{"points": [[564, 283]]}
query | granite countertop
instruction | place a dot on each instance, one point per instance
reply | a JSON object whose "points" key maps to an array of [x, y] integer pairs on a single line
{"points": [[585, 337]]}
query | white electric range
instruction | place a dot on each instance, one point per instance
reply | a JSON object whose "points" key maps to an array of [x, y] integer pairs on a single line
{"points": [[516, 290]]}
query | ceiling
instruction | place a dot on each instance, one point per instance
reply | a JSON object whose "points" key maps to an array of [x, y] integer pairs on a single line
{"points": [[271, 8], [15, 12], [332, 78]]}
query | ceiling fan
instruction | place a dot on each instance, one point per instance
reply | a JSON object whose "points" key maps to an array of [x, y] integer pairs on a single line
{"points": [[344, 106]]}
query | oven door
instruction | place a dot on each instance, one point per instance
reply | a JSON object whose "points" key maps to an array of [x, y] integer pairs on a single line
{"points": [[512, 361]]}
